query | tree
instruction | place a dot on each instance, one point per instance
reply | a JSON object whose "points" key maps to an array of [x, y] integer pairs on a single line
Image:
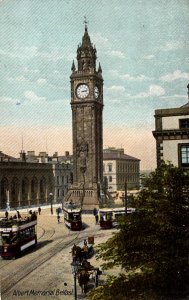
{"points": [[152, 244]]}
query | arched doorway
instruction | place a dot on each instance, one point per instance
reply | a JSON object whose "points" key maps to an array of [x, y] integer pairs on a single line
{"points": [[25, 191], [14, 193], [34, 184], [42, 190], [4, 193]]}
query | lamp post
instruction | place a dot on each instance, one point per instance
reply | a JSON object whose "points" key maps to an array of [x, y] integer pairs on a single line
{"points": [[8, 205], [51, 198], [125, 197], [75, 267]]}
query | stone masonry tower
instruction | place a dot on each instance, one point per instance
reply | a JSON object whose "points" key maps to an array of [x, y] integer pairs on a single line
{"points": [[87, 107]]}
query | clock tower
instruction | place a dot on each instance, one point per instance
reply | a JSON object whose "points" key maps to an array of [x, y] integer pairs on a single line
{"points": [[87, 107]]}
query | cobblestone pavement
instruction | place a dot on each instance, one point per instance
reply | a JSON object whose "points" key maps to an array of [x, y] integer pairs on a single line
{"points": [[51, 279]]}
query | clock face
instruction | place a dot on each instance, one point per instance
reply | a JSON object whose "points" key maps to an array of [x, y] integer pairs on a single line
{"points": [[82, 91], [96, 92]]}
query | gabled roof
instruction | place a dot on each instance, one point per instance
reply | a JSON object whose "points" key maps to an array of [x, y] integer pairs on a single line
{"points": [[6, 156], [185, 105]]}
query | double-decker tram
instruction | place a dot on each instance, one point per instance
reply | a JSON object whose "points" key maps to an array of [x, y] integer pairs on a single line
{"points": [[109, 217], [17, 235], [72, 216]]}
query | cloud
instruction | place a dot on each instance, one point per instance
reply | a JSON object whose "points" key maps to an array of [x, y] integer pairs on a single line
{"points": [[32, 71], [174, 45], [21, 78], [174, 96], [53, 54], [128, 77], [116, 88], [153, 91], [8, 100], [20, 52], [114, 53], [149, 56], [30, 95], [174, 76], [101, 41], [41, 81]]}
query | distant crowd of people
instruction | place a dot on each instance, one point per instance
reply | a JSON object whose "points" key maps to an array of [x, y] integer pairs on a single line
{"points": [[17, 216]]}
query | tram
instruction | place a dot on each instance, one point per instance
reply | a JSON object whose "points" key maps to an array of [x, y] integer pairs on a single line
{"points": [[72, 216], [109, 217], [17, 235]]}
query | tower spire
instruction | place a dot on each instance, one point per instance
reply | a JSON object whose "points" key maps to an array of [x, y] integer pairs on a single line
{"points": [[99, 69], [73, 67], [86, 52], [85, 22]]}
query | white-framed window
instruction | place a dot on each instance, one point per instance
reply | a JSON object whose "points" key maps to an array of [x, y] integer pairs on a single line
{"points": [[184, 155]]}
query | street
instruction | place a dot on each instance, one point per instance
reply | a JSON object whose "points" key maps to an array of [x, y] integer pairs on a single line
{"points": [[45, 272]]}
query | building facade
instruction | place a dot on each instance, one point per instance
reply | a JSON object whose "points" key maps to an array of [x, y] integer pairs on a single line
{"points": [[23, 183], [63, 175], [120, 168], [62, 166], [172, 136], [87, 107]]}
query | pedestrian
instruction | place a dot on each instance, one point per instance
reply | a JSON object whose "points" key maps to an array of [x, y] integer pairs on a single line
{"points": [[39, 210], [58, 218], [18, 214], [96, 218], [34, 216], [6, 214], [95, 211]]}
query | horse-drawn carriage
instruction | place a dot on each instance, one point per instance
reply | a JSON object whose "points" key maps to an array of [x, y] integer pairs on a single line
{"points": [[85, 271], [87, 274], [84, 250]]}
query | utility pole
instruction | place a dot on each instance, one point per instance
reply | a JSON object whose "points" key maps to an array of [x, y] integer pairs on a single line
{"points": [[125, 197], [51, 199]]}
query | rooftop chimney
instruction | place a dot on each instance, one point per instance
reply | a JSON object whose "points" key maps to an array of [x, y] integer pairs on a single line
{"points": [[23, 156], [67, 153]]}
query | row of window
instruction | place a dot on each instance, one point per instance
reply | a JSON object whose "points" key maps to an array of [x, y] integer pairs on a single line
{"points": [[15, 237], [131, 167], [124, 167], [128, 178], [60, 179], [122, 178]]}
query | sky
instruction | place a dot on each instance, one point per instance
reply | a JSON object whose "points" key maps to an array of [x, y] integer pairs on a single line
{"points": [[143, 48]]}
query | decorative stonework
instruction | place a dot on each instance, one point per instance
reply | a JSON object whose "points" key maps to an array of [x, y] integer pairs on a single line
{"points": [[87, 107]]}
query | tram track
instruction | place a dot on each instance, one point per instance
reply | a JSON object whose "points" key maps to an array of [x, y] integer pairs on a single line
{"points": [[21, 273], [7, 283], [47, 234]]}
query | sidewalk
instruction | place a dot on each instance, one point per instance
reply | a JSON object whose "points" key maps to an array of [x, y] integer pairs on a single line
{"points": [[57, 274]]}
